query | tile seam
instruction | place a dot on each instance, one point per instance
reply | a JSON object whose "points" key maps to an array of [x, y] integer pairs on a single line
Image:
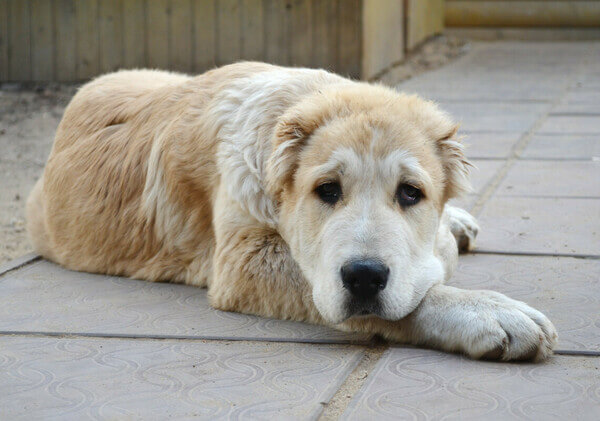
{"points": [[91, 335], [19, 263], [536, 254]]}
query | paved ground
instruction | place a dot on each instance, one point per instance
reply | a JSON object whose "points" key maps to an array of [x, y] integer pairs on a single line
{"points": [[78, 346]]}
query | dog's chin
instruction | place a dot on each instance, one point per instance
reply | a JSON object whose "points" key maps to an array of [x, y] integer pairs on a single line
{"points": [[358, 308]]}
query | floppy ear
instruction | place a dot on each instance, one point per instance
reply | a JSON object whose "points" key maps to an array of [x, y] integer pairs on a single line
{"points": [[290, 136], [456, 165]]}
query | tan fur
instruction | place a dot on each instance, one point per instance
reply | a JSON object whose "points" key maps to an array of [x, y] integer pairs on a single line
{"points": [[161, 176]]}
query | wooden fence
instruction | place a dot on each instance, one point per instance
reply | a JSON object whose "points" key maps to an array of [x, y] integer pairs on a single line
{"points": [[523, 13], [71, 40]]}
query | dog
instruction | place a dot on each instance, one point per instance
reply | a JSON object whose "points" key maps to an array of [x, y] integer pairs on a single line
{"points": [[289, 193]]}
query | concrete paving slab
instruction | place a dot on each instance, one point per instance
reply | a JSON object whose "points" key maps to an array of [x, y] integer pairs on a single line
{"points": [[74, 379], [571, 124], [489, 145], [483, 173], [45, 297], [495, 116], [552, 178], [421, 384], [465, 202], [565, 289], [18, 262], [584, 94], [563, 147], [540, 225], [576, 109]]}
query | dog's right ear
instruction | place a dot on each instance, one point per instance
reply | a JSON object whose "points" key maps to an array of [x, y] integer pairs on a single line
{"points": [[290, 136]]}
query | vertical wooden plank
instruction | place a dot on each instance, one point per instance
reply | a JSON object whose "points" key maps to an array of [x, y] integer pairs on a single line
{"points": [[383, 36], [157, 33], [276, 32], [42, 41], [3, 40], [325, 34], [88, 39], [65, 47], [134, 33], [111, 35], [204, 34], [19, 42], [300, 30], [424, 18], [252, 30], [180, 32], [229, 36], [349, 38]]}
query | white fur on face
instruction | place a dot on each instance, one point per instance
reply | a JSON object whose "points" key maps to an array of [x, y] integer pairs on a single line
{"points": [[366, 223]]}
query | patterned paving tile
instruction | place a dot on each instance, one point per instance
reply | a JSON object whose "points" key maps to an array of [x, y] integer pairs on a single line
{"points": [[420, 384], [540, 225], [483, 172], [563, 147], [465, 202], [583, 108], [552, 178], [44, 297], [495, 116], [74, 379], [566, 289], [490, 145], [508, 71], [571, 124]]}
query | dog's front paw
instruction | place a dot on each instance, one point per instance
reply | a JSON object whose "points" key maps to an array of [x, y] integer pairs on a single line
{"points": [[505, 329], [463, 226]]}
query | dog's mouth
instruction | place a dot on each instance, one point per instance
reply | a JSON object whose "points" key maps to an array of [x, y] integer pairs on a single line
{"points": [[362, 308]]}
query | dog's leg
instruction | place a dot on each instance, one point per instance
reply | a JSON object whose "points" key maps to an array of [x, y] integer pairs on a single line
{"points": [[480, 324], [253, 270], [254, 273], [463, 227]]}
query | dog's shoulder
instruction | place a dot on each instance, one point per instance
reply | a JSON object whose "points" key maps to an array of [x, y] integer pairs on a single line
{"points": [[243, 116]]}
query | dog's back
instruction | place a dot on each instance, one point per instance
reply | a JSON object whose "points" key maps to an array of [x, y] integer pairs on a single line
{"points": [[128, 188]]}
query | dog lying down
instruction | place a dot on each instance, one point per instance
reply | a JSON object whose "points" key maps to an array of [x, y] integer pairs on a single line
{"points": [[289, 193]]}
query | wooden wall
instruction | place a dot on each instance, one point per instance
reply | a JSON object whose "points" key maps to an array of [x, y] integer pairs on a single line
{"points": [[70, 40], [523, 13], [74, 40]]}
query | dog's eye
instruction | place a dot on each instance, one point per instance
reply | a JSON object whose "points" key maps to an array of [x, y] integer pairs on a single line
{"points": [[329, 192], [408, 195]]}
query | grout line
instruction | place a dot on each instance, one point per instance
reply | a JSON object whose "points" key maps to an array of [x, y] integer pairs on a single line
{"points": [[574, 114], [80, 335], [19, 262], [530, 158], [590, 134], [492, 101], [545, 196], [576, 353], [536, 254], [353, 383]]}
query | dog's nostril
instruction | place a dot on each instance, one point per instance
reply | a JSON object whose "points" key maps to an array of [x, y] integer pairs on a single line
{"points": [[365, 278]]}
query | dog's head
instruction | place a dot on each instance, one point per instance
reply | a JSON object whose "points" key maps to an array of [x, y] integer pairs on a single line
{"points": [[361, 174]]}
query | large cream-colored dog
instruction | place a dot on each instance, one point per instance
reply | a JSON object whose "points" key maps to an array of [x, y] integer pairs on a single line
{"points": [[289, 193]]}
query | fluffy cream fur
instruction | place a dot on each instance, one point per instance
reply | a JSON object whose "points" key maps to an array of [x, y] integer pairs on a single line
{"points": [[210, 181]]}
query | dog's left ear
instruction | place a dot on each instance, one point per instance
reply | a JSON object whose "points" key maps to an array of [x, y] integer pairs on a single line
{"points": [[456, 165], [290, 136]]}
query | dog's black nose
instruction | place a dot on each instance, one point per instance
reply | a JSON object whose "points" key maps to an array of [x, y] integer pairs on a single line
{"points": [[365, 278]]}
